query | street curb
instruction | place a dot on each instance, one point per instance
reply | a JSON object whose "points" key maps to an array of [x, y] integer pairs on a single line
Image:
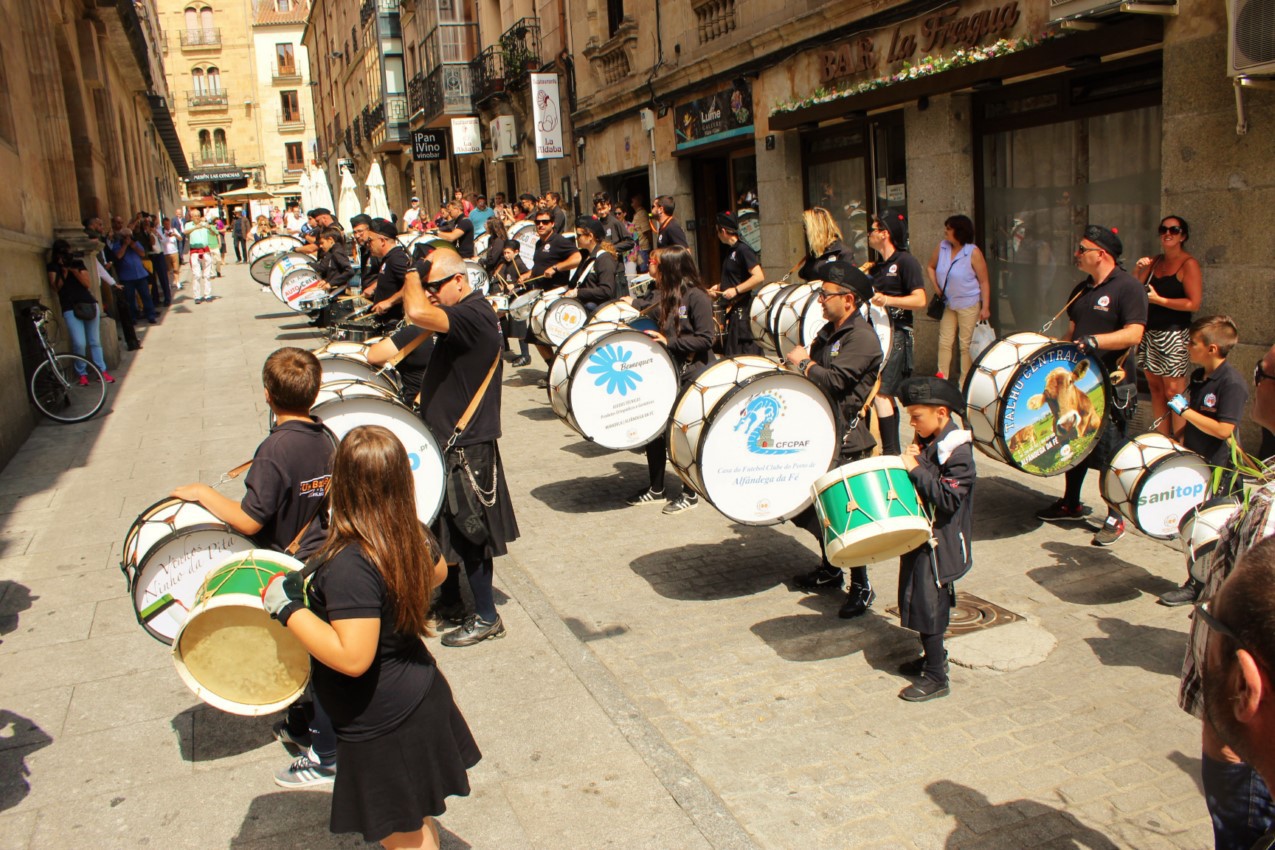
{"points": [[704, 808]]}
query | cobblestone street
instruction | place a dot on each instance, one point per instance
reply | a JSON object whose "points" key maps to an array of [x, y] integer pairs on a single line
{"points": [[661, 686]]}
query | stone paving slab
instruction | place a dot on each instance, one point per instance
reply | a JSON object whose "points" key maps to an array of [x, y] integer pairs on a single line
{"points": [[661, 686]]}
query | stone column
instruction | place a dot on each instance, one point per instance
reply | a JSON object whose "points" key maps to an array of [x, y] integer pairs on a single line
{"points": [[50, 116]]}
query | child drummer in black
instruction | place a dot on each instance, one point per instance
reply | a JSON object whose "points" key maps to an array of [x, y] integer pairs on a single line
{"points": [[941, 465]]}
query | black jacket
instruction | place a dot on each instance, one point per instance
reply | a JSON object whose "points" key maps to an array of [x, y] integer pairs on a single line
{"points": [[847, 360], [595, 278], [334, 267], [617, 233], [690, 333], [835, 251]]}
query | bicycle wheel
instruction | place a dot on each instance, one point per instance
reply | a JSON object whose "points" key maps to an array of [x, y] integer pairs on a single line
{"points": [[56, 389]]}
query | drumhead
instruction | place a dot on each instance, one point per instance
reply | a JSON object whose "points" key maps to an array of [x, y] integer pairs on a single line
{"points": [[300, 288], [284, 265], [1009, 393], [621, 389], [1154, 482], [482, 242], [340, 368], [343, 407], [525, 233], [478, 279], [562, 318], [277, 244], [880, 320], [520, 308]]}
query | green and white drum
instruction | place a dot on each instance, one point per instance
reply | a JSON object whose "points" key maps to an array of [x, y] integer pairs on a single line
{"points": [[230, 652], [869, 511]]}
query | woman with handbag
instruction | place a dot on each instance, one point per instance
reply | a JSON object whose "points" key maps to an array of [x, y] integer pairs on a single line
{"points": [[962, 291], [70, 280]]}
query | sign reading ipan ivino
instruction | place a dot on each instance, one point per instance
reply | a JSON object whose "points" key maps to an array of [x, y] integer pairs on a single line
{"points": [[428, 145]]}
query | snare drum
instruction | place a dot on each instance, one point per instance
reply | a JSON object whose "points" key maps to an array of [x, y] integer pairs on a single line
{"points": [[345, 406], [302, 287], [169, 550], [520, 308], [354, 366], [1036, 403], [614, 385], [1200, 529], [341, 346], [362, 331], [869, 512], [640, 285], [621, 311], [1153, 482], [540, 308], [499, 303], [562, 317], [313, 301], [752, 438], [230, 652]]}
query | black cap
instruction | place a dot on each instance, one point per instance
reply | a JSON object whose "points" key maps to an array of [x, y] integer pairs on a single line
{"points": [[361, 218], [384, 228], [1105, 239], [933, 391], [591, 224], [727, 221], [897, 224], [846, 276]]}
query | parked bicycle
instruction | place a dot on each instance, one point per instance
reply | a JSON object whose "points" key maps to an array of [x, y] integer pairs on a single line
{"points": [[56, 387]]}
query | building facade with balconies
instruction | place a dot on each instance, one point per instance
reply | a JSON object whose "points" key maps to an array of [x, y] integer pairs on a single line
{"points": [[86, 129], [215, 79], [285, 121]]}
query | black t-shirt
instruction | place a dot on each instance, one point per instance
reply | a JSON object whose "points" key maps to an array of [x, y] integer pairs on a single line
{"points": [[617, 233], [1111, 305], [1219, 397], [551, 251], [738, 265], [348, 587], [72, 292], [412, 367], [465, 244], [287, 480], [389, 280], [898, 277], [559, 219], [456, 370], [671, 233]]}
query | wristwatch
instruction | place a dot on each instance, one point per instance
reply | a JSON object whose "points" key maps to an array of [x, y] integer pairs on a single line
{"points": [[801, 367]]}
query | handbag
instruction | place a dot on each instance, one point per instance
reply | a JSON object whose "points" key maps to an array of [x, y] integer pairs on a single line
{"points": [[85, 311], [938, 302]]}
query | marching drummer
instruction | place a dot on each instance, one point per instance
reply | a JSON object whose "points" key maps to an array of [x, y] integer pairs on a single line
{"points": [[845, 361], [554, 254], [741, 274], [1108, 313], [940, 463], [595, 280], [387, 298], [900, 289]]}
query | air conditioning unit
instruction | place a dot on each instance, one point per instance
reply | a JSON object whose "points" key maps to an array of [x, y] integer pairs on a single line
{"points": [[1078, 10], [1251, 45]]}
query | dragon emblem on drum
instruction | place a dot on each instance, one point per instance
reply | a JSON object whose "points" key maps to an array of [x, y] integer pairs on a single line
{"points": [[611, 364], [756, 419]]}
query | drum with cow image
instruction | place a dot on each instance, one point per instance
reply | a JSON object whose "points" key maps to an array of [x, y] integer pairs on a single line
{"points": [[1036, 403]]}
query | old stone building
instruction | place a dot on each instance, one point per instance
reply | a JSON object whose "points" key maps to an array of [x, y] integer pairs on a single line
{"points": [[984, 107], [285, 117], [85, 129]]}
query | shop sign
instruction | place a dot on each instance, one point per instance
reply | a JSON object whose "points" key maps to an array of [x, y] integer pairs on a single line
{"points": [[721, 115], [949, 27], [218, 174], [467, 136], [546, 112], [504, 137], [428, 145]]}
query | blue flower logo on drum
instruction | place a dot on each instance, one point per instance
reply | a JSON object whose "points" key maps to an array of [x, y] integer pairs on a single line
{"points": [[611, 364]]}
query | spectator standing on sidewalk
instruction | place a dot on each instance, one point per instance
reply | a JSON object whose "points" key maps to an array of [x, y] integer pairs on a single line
{"points": [[203, 240], [70, 280], [128, 255], [114, 302], [161, 288], [239, 232], [172, 251]]}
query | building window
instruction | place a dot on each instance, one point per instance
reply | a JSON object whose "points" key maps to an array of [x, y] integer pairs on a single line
{"points": [[219, 146], [285, 55], [291, 106], [205, 145], [197, 81], [295, 154], [354, 37], [7, 132], [283, 5], [615, 15]]}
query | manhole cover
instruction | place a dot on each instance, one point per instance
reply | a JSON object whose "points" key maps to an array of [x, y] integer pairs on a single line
{"points": [[973, 614]]}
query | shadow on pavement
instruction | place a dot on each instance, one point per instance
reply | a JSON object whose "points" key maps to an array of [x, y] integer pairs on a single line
{"points": [[1152, 648], [298, 335], [14, 599], [1005, 508], [19, 737], [538, 414], [1091, 575], [1017, 823], [756, 560], [1191, 767], [586, 449], [594, 494], [216, 735], [299, 819], [823, 636], [287, 314]]}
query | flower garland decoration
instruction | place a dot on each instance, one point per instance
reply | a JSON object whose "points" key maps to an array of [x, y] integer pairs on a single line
{"points": [[924, 67]]}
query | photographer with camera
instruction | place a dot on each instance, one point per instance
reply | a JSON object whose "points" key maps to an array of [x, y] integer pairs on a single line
{"points": [[129, 254]]}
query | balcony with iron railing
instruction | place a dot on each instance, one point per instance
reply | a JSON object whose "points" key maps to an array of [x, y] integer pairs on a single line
{"points": [[207, 99], [292, 171], [289, 121], [487, 75], [285, 75], [521, 47], [212, 158], [201, 39], [372, 7], [448, 90]]}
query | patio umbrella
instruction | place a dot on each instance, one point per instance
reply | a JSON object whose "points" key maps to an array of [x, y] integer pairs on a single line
{"points": [[377, 206], [348, 206], [320, 191], [307, 196]]}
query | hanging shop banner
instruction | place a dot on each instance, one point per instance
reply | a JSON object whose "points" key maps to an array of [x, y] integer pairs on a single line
{"points": [[720, 115], [546, 112], [467, 136], [428, 145], [504, 137]]}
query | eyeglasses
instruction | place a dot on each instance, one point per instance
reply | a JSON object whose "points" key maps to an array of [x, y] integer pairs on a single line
{"points": [[876, 229], [1081, 249], [1259, 375], [1172, 228], [541, 221], [824, 294], [1199, 646]]}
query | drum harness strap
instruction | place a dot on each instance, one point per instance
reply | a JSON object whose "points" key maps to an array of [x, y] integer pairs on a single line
{"points": [[1119, 363], [486, 497]]}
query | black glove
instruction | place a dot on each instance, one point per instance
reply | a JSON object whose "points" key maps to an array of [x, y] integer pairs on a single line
{"points": [[1089, 343]]}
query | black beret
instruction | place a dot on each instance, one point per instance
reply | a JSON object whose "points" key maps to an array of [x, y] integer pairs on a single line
{"points": [[1105, 239], [384, 228], [897, 224], [847, 276], [728, 222], [934, 391], [591, 224]]}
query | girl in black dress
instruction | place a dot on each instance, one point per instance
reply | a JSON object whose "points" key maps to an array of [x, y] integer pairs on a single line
{"points": [[402, 745]]}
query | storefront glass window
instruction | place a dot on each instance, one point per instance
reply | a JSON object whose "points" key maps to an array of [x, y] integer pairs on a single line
{"points": [[744, 185]]}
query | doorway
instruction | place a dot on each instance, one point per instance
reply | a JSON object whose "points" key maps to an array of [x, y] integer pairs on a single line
{"points": [[723, 183]]}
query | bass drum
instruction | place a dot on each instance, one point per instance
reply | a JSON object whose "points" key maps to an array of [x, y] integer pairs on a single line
{"points": [[302, 290], [1200, 529], [481, 243], [562, 318], [525, 233], [752, 438], [345, 366], [169, 550], [283, 266], [797, 316], [345, 406], [478, 279], [621, 311], [1036, 403], [1154, 482], [278, 244], [759, 310], [880, 320], [540, 308], [614, 385]]}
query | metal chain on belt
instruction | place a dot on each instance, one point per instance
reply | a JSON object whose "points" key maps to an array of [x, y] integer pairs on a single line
{"points": [[486, 497]]}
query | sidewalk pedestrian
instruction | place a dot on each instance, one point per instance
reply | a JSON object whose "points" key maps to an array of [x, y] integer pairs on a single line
{"points": [[239, 231], [203, 240], [70, 281], [172, 251], [128, 255]]}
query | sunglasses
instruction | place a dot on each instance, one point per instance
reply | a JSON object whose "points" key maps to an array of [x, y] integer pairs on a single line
{"points": [[435, 285], [1172, 228], [876, 229], [1199, 647], [540, 221], [1081, 249], [1259, 375]]}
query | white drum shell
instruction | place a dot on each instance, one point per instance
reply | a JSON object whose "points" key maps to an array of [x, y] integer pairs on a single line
{"points": [[1153, 482]]}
